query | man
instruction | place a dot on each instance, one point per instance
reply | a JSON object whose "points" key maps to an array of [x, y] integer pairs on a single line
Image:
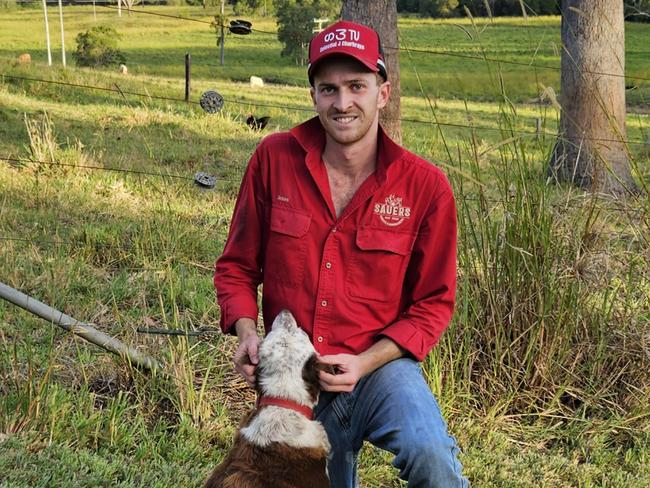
{"points": [[357, 238]]}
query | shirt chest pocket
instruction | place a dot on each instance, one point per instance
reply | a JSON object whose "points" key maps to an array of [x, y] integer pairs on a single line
{"points": [[378, 264], [284, 258]]}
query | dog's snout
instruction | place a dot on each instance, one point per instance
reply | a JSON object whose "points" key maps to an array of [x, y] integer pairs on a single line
{"points": [[284, 319]]}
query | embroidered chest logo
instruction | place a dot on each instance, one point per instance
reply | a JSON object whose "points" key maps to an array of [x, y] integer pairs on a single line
{"points": [[392, 212]]}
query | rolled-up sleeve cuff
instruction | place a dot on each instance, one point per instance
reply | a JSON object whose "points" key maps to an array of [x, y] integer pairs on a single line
{"points": [[234, 309], [407, 336]]}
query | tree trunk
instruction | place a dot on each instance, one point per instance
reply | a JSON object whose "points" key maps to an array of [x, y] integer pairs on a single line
{"points": [[590, 151], [381, 15]]}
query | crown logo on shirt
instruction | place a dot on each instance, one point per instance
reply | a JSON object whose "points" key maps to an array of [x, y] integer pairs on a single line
{"points": [[392, 212]]}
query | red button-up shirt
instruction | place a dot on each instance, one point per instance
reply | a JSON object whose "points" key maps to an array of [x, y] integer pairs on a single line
{"points": [[386, 267]]}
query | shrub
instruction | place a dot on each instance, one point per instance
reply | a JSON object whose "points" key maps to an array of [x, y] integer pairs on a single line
{"points": [[98, 47]]}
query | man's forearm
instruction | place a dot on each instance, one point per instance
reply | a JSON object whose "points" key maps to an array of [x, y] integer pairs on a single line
{"points": [[380, 353], [244, 327]]}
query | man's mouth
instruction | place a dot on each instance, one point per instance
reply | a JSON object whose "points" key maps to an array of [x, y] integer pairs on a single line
{"points": [[344, 119]]}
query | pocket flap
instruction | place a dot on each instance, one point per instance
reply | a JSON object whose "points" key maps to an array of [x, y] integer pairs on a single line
{"points": [[371, 239], [289, 221]]}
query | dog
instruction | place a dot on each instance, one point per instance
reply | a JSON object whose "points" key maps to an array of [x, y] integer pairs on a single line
{"points": [[278, 445]]}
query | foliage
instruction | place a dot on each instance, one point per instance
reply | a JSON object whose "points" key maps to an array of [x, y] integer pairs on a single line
{"points": [[7, 4], [295, 24], [497, 8], [217, 24], [637, 10], [98, 47], [247, 7], [429, 8]]}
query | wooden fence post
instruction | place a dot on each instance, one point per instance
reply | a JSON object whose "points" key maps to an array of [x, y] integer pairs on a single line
{"points": [[188, 67]]}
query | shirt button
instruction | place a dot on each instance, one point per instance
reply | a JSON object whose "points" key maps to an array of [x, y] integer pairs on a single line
{"points": [[334, 229], [324, 303], [328, 265], [320, 339]]}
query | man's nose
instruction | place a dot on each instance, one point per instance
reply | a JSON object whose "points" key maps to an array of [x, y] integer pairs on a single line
{"points": [[343, 100]]}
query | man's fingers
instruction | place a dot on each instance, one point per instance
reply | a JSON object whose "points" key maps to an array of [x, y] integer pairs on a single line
{"points": [[336, 379], [330, 360], [252, 355], [246, 362], [246, 369], [250, 348], [248, 373]]}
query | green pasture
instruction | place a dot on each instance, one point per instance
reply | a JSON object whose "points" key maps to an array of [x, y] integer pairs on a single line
{"points": [[543, 373], [157, 45]]}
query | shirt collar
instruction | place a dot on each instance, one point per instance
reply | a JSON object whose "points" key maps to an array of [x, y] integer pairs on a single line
{"points": [[311, 137]]}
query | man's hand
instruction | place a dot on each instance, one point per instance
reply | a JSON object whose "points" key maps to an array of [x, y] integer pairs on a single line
{"points": [[341, 372], [348, 369], [245, 357]]}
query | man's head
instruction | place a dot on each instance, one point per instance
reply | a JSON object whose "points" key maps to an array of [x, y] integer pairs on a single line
{"points": [[345, 38], [348, 79]]}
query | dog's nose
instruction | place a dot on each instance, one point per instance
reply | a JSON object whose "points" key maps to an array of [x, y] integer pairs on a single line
{"points": [[285, 319]]}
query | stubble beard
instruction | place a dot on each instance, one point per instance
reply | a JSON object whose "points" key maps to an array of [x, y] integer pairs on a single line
{"points": [[349, 136]]}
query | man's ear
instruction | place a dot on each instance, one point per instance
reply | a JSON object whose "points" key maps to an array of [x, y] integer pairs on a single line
{"points": [[312, 92], [384, 94]]}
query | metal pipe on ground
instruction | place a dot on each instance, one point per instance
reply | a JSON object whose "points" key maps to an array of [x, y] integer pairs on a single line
{"points": [[86, 331]]}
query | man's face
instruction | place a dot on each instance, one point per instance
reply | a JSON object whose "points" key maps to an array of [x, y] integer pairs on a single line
{"points": [[347, 97]]}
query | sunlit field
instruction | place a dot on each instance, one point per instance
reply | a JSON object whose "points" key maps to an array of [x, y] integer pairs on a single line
{"points": [[543, 373]]}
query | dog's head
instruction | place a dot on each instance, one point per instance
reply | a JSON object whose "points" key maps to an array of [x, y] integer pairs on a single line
{"points": [[287, 363]]}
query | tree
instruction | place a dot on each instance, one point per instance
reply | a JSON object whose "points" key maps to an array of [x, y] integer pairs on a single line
{"points": [[381, 15], [295, 20], [590, 151]]}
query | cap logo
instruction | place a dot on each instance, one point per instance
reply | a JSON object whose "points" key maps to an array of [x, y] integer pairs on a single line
{"points": [[348, 39], [342, 37]]}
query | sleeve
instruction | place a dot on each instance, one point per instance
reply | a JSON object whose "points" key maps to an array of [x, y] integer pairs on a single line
{"points": [[238, 269], [430, 283]]}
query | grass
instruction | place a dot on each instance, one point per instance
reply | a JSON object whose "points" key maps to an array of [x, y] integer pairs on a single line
{"points": [[543, 374]]}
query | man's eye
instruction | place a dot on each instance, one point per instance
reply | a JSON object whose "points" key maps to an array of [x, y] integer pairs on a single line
{"points": [[357, 86]]}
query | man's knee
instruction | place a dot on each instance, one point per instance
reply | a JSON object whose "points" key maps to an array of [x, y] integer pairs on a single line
{"points": [[430, 462]]}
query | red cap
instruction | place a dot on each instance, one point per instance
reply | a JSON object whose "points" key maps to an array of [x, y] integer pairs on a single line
{"points": [[351, 39]]}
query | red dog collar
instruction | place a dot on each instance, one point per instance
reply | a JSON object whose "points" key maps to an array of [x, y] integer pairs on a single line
{"points": [[284, 403]]}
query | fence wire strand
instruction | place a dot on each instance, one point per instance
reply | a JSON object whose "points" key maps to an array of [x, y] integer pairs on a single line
{"points": [[436, 52], [121, 92], [418, 50]]}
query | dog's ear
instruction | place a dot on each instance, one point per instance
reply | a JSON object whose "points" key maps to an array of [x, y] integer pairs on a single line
{"points": [[310, 377], [259, 373]]}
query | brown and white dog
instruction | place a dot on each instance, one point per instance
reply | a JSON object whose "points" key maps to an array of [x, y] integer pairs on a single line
{"points": [[278, 444]]}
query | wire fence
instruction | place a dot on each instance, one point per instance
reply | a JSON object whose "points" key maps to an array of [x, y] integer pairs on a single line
{"points": [[78, 244], [391, 48], [615, 206], [506, 131], [26, 161], [437, 52], [510, 131], [170, 259]]}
